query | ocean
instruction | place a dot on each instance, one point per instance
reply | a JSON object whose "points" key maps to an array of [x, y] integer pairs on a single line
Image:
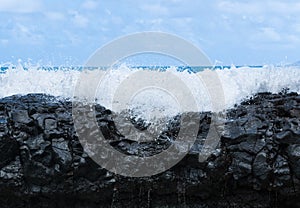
{"points": [[237, 82]]}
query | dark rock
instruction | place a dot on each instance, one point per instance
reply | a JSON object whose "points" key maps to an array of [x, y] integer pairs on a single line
{"points": [[290, 136], [261, 167], [63, 153], [251, 145], [37, 174], [294, 156], [282, 171], [9, 149], [12, 175], [256, 164], [241, 164], [3, 126], [21, 116], [50, 124]]}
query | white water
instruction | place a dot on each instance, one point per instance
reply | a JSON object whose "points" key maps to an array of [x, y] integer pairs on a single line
{"points": [[237, 84]]}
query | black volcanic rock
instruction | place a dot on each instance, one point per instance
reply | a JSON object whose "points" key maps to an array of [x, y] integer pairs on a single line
{"points": [[256, 164]]}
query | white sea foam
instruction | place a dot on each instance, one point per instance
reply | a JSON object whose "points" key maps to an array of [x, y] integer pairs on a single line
{"points": [[237, 84]]}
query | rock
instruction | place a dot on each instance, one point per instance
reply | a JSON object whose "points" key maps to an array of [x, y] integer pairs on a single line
{"points": [[261, 168], [37, 143], [3, 126], [241, 164], [294, 157], [295, 112], [9, 149], [37, 174], [250, 145], [62, 151], [42, 162], [50, 124], [21, 116], [11, 175], [290, 137], [282, 171]]}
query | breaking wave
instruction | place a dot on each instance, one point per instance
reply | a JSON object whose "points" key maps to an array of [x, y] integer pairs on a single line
{"points": [[237, 83]]}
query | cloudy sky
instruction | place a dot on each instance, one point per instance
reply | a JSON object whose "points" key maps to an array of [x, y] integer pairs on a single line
{"points": [[230, 32]]}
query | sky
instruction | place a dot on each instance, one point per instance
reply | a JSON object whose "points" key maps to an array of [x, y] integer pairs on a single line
{"points": [[67, 32]]}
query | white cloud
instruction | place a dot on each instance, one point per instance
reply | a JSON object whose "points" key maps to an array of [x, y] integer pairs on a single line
{"points": [[239, 7], [258, 7], [18, 6], [266, 34], [284, 7], [56, 16], [293, 39], [27, 34], [4, 41], [264, 22], [155, 9], [226, 24], [22, 29], [90, 5], [107, 11], [72, 37], [116, 20], [269, 37], [296, 27], [79, 20], [270, 34]]}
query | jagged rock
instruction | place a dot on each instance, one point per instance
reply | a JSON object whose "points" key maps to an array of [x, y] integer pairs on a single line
{"points": [[3, 126], [282, 171], [294, 157], [241, 164], [256, 164], [9, 149], [62, 151], [289, 136], [21, 116], [261, 167], [50, 124]]}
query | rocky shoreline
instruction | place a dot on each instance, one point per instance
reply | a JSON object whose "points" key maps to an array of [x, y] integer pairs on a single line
{"points": [[257, 162]]}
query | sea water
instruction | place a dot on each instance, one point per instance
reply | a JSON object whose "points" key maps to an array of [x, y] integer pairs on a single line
{"points": [[237, 83]]}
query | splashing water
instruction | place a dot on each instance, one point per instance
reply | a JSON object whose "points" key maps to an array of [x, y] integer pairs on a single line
{"points": [[237, 84]]}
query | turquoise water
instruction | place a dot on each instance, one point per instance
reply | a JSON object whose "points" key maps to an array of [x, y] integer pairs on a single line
{"points": [[156, 68]]}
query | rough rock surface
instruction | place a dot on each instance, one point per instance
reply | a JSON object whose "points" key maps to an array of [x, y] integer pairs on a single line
{"points": [[257, 162]]}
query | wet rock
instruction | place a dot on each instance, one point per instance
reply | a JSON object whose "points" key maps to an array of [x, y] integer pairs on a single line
{"points": [[43, 164], [9, 149], [295, 112], [21, 116], [50, 124], [250, 145], [37, 143], [282, 171], [233, 132], [294, 156], [62, 151], [3, 126], [37, 174], [290, 136], [241, 164], [261, 167], [11, 175]]}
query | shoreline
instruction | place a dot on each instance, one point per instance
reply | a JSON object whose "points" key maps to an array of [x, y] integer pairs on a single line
{"points": [[256, 163]]}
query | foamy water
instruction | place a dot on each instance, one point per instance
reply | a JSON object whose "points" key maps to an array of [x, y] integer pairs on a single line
{"points": [[237, 84]]}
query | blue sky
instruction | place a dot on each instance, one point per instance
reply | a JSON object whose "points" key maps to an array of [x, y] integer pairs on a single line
{"points": [[232, 32]]}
